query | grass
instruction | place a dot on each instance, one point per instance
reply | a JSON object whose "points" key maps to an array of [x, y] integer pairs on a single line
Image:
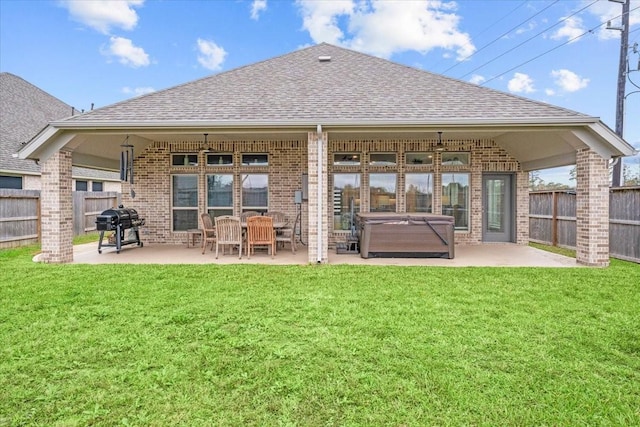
{"points": [[317, 345]]}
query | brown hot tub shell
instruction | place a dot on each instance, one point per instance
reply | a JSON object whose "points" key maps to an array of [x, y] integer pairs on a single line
{"points": [[405, 235]]}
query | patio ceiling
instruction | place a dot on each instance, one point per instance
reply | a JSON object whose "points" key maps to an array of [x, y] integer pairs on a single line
{"points": [[535, 146]]}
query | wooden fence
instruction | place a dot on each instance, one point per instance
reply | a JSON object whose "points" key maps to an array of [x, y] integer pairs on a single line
{"points": [[552, 220], [20, 214]]}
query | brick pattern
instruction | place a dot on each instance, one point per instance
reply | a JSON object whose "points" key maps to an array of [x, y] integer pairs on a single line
{"points": [[153, 170], [314, 199], [57, 209], [485, 156], [592, 209], [289, 159]]}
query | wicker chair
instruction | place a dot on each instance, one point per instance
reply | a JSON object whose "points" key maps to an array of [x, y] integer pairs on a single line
{"points": [[260, 233], [208, 231], [229, 232]]}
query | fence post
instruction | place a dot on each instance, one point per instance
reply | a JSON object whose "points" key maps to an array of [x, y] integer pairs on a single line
{"points": [[554, 219]]}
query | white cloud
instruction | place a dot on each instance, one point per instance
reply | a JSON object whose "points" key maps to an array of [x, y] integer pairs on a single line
{"points": [[137, 91], [102, 15], [320, 19], [610, 11], [572, 28], [126, 52], [477, 79], [568, 80], [549, 92], [521, 83], [256, 7], [211, 55], [385, 27]]}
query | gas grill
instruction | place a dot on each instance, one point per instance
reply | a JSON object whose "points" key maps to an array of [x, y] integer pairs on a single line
{"points": [[118, 221]]}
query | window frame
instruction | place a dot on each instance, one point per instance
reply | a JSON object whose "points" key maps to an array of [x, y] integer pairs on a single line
{"points": [[257, 208], [393, 198], [357, 202], [430, 184], [16, 182], [85, 184], [467, 208], [189, 208], [186, 160], [215, 210]]}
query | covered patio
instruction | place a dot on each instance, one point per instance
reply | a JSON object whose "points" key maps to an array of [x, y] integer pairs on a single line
{"points": [[485, 255], [326, 132]]}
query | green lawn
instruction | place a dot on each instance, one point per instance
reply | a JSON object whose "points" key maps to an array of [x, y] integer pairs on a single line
{"points": [[317, 345]]}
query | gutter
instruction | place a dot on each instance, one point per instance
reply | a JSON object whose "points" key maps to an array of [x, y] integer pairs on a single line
{"points": [[320, 192], [436, 122]]}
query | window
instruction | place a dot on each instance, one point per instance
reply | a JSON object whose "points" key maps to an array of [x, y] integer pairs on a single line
{"points": [[219, 195], [382, 192], [346, 159], [184, 201], [455, 198], [220, 159], [346, 200], [96, 186], [455, 159], [255, 192], [82, 185], [255, 160], [184, 160], [382, 159], [12, 182], [415, 158], [419, 192]]}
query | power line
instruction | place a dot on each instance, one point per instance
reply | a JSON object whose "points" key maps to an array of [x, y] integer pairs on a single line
{"points": [[530, 38], [502, 35], [551, 50]]}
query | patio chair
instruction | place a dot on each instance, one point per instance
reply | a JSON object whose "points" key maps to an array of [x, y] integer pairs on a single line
{"points": [[260, 232], [283, 234], [229, 233], [247, 214], [208, 231]]}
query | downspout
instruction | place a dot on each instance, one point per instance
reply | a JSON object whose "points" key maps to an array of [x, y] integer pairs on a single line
{"points": [[320, 192]]}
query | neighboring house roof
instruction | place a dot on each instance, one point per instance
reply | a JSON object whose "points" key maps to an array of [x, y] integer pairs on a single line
{"points": [[25, 110], [343, 91], [351, 86]]}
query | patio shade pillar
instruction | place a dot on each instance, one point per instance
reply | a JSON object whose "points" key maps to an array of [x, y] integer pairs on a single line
{"points": [[316, 200], [56, 206], [592, 209]]}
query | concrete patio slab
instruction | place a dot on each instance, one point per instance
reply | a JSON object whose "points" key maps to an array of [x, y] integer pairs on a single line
{"points": [[488, 255]]}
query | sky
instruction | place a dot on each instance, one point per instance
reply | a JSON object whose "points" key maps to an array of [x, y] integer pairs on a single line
{"points": [[95, 53]]}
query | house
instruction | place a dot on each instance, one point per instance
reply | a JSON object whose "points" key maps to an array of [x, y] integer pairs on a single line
{"points": [[347, 130], [25, 111]]}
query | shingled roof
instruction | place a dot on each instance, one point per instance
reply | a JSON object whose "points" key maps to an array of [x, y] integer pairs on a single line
{"points": [[25, 110], [346, 86]]}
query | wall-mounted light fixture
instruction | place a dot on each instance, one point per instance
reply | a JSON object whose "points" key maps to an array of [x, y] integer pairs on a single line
{"points": [[206, 147], [440, 145]]}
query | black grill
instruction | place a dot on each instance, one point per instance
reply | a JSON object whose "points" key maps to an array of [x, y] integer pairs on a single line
{"points": [[118, 221]]}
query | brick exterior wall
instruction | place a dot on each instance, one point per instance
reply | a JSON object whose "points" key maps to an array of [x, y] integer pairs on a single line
{"points": [[592, 209], [485, 157], [153, 171], [289, 159], [57, 209]]}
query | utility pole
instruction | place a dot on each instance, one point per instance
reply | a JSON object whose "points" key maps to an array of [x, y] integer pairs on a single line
{"points": [[622, 80]]}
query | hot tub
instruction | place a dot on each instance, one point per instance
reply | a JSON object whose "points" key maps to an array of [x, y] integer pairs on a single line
{"points": [[405, 235]]}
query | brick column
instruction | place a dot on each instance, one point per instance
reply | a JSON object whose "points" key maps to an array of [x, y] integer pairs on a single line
{"points": [[57, 209], [522, 208], [315, 199], [592, 209]]}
